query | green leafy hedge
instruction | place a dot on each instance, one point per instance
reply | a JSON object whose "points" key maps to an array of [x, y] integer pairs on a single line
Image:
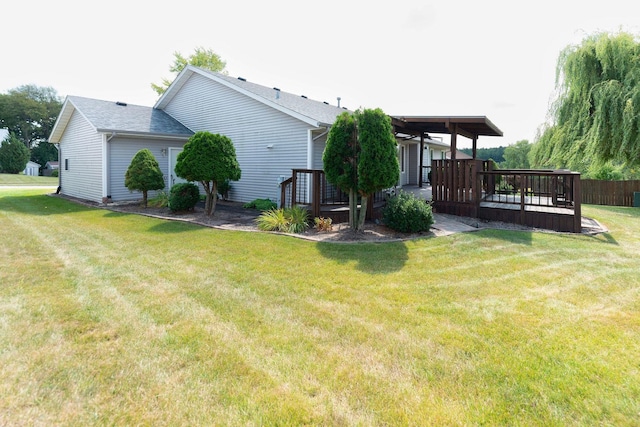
{"points": [[407, 213], [183, 197]]}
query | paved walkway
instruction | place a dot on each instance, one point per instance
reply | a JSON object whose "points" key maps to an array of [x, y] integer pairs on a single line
{"points": [[446, 225]]}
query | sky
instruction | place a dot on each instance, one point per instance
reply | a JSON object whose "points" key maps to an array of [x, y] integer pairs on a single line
{"points": [[408, 57]]}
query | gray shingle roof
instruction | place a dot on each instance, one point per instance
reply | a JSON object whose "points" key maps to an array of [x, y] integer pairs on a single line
{"points": [[318, 111], [107, 116]]}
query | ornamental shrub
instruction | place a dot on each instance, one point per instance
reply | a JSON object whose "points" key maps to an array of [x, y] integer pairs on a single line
{"points": [[144, 174], [14, 155], [288, 220], [183, 197], [406, 213], [323, 224]]}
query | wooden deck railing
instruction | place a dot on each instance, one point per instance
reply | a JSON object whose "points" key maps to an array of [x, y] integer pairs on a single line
{"points": [[539, 198], [310, 188]]}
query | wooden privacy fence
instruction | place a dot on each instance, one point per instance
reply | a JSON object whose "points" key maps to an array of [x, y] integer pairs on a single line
{"points": [[611, 193]]}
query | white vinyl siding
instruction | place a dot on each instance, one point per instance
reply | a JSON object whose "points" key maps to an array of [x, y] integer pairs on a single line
{"points": [[122, 151], [81, 150], [202, 104], [318, 149]]}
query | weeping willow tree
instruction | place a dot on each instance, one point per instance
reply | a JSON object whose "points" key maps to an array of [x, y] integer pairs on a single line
{"points": [[596, 117]]}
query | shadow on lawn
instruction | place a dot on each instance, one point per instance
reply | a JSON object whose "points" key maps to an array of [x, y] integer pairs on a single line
{"points": [[373, 258]]}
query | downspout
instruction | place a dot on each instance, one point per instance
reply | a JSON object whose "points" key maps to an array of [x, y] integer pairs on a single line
{"points": [[106, 197], [309, 148], [59, 189]]}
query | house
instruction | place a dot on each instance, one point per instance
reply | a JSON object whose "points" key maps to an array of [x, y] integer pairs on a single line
{"points": [[459, 155], [49, 167], [4, 134], [273, 132], [32, 169], [97, 140]]}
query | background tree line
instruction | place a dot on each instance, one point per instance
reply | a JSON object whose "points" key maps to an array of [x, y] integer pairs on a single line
{"points": [[29, 113]]}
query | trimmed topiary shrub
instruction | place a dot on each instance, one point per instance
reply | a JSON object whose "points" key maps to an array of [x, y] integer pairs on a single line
{"points": [[183, 197], [406, 213]]}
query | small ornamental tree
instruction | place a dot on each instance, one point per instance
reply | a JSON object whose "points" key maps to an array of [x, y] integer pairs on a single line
{"points": [[378, 166], [361, 158], [209, 159], [144, 174], [14, 155], [340, 159]]}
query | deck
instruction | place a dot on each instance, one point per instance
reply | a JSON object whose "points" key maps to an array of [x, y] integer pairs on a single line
{"points": [[547, 199]]}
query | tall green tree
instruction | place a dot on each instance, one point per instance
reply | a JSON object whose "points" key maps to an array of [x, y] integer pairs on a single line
{"points": [[209, 159], [203, 58], [14, 155], [361, 158], [44, 152], [30, 112], [144, 174], [596, 116], [516, 156]]}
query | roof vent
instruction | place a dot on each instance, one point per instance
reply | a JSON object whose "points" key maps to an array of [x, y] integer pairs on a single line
{"points": [[339, 102], [325, 102], [277, 92], [242, 79], [304, 96], [122, 104]]}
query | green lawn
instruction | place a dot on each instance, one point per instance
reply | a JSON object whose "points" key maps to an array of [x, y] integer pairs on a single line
{"points": [[116, 319], [19, 179]]}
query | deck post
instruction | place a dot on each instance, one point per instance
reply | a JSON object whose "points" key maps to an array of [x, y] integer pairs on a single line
{"points": [[577, 204], [421, 169], [294, 184], [477, 185], [315, 201], [522, 199]]}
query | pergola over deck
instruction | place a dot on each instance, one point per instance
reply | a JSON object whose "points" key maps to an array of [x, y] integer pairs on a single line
{"points": [[468, 126], [538, 198]]}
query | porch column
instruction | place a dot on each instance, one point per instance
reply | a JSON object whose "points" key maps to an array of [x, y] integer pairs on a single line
{"points": [[454, 140], [421, 169], [310, 149], [475, 145]]}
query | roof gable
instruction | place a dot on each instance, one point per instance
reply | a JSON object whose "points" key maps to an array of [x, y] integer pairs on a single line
{"points": [[313, 112], [107, 116]]}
